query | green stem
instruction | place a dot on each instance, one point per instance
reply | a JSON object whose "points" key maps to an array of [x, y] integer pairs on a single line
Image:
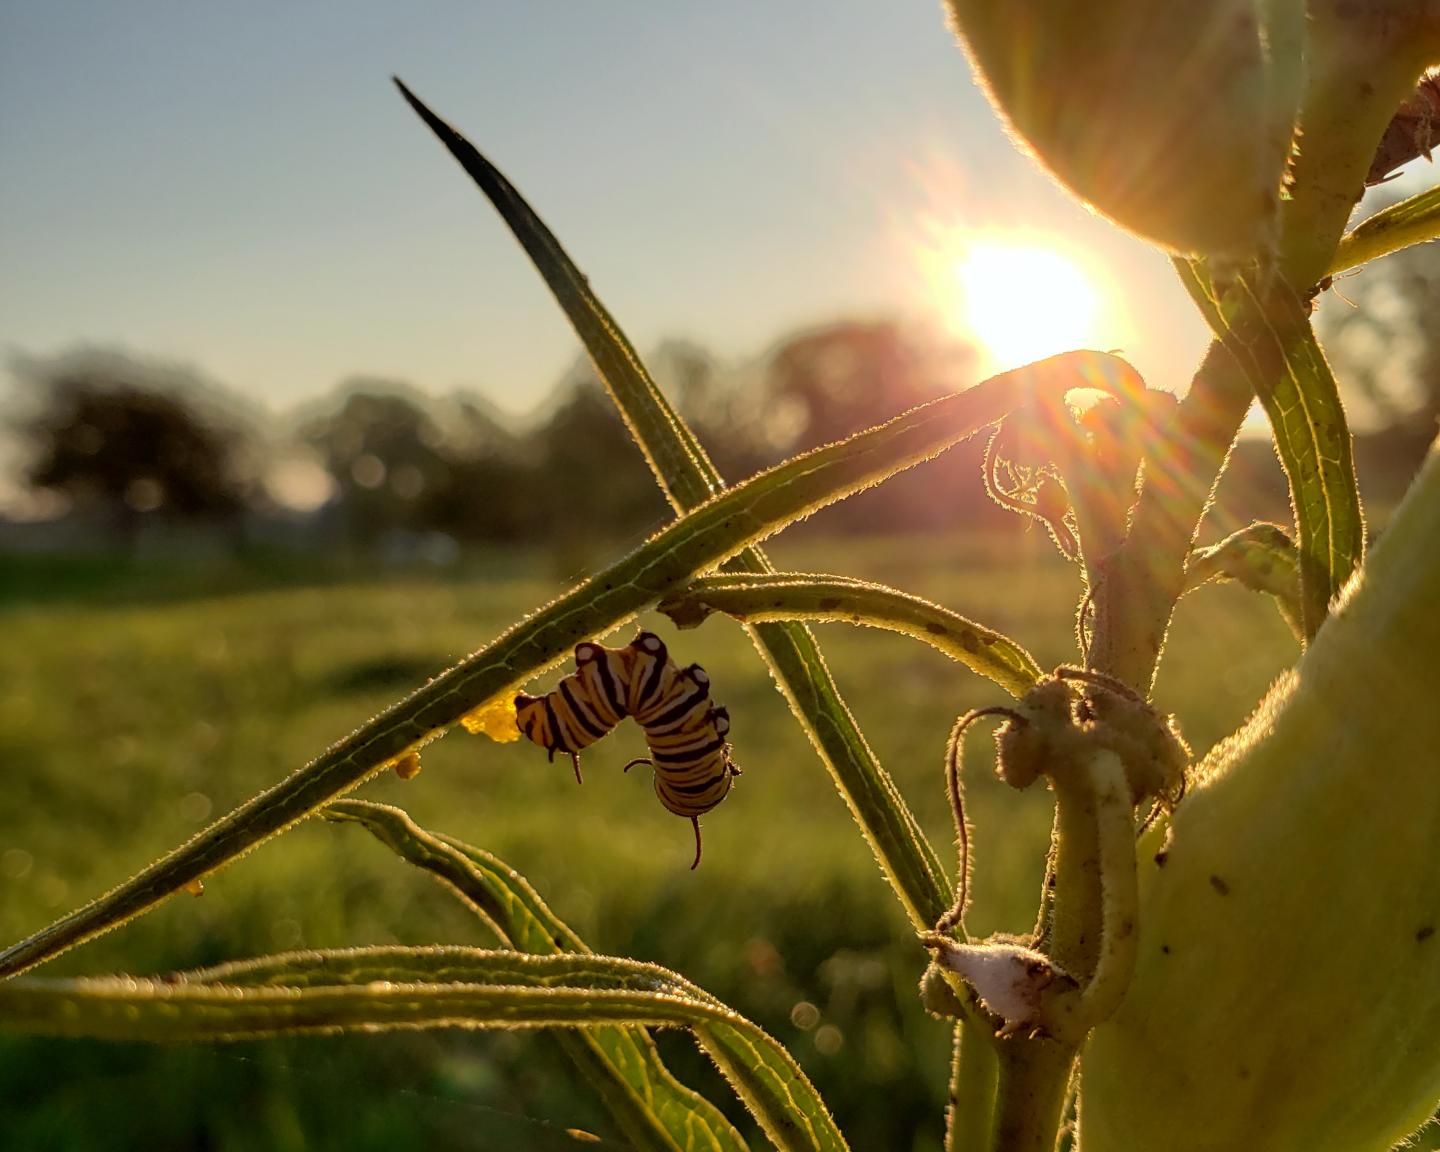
{"points": [[1140, 584], [1135, 596], [1030, 1104], [970, 1113], [1092, 937], [1363, 61], [1110, 813], [1075, 924]]}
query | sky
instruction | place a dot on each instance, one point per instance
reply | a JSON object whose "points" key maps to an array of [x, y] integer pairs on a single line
{"points": [[237, 186]]}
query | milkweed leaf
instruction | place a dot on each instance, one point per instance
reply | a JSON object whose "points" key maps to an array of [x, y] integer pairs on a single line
{"points": [[688, 478], [1412, 221], [698, 541], [1260, 556], [379, 989], [651, 1107], [1273, 342], [807, 596]]}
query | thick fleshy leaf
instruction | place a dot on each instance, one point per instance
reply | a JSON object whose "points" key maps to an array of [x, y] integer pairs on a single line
{"points": [[377, 989], [1287, 989], [652, 1108], [711, 534], [809, 596]]}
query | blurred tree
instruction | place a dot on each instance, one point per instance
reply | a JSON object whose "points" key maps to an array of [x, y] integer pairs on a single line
{"points": [[712, 402], [383, 451], [829, 383], [122, 440], [485, 493], [591, 484], [1380, 333]]}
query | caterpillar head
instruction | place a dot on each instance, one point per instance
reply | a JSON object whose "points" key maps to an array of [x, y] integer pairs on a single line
{"points": [[651, 645]]}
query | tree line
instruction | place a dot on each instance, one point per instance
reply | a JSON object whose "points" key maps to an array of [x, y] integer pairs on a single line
{"points": [[120, 445]]}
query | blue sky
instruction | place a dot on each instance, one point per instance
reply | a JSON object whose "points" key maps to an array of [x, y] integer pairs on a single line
{"points": [[238, 186]]}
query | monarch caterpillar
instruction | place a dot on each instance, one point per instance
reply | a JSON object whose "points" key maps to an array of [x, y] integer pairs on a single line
{"points": [[684, 731]]}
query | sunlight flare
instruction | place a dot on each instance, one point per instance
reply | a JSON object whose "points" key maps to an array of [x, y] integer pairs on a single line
{"points": [[1023, 302], [1021, 296]]}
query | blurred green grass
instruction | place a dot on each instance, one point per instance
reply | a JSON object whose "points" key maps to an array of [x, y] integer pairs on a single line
{"points": [[136, 705]]}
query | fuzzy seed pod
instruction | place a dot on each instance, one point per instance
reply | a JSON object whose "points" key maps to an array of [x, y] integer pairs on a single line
{"points": [[1173, 119], [1286, 993]]}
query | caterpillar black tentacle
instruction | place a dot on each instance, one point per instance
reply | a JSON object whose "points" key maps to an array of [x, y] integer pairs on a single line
{"points": [[684, 731]]}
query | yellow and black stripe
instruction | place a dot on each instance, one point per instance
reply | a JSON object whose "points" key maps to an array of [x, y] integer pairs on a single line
{"points": [[585, 705], [684, 731]]}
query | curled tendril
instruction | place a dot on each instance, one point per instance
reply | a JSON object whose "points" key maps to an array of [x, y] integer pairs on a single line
{"points": [[953, 917]]}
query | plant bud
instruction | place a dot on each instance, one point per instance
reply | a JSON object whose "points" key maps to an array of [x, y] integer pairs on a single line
{"points": [[1173, 119], [1286, 992]]}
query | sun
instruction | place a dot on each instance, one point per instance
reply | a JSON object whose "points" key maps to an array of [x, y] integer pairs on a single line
{"points": [[1020, 297], [1023, 302]]}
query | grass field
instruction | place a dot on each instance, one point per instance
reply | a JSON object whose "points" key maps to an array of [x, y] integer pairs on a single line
{"points": [[134, 709]]}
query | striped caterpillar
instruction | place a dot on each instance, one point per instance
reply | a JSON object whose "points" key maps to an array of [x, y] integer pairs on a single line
{"points": [[684, 731]]}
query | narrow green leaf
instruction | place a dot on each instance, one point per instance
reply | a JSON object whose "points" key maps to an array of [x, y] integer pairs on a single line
{"points": [[377, 989], [323, 992], [671, 449], [435, 965], [808, 596], [1275, 345], [712, 533], [651, 1107], [688, 478], [1260, 556], [1412, 221], [494, 890], [774, 1088]]}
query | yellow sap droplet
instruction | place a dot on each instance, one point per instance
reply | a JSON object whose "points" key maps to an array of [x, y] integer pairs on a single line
{"points": [[495, 720], [195, 886], [407, 767]]}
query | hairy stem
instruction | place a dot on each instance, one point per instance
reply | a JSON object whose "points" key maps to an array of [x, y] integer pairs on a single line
{"points": [[970, 1112], [1139, 584], [1107, 799], [1030, 1104]]}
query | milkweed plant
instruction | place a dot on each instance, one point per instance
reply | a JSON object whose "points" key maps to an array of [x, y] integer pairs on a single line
{"points": [[1235, 953]]}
